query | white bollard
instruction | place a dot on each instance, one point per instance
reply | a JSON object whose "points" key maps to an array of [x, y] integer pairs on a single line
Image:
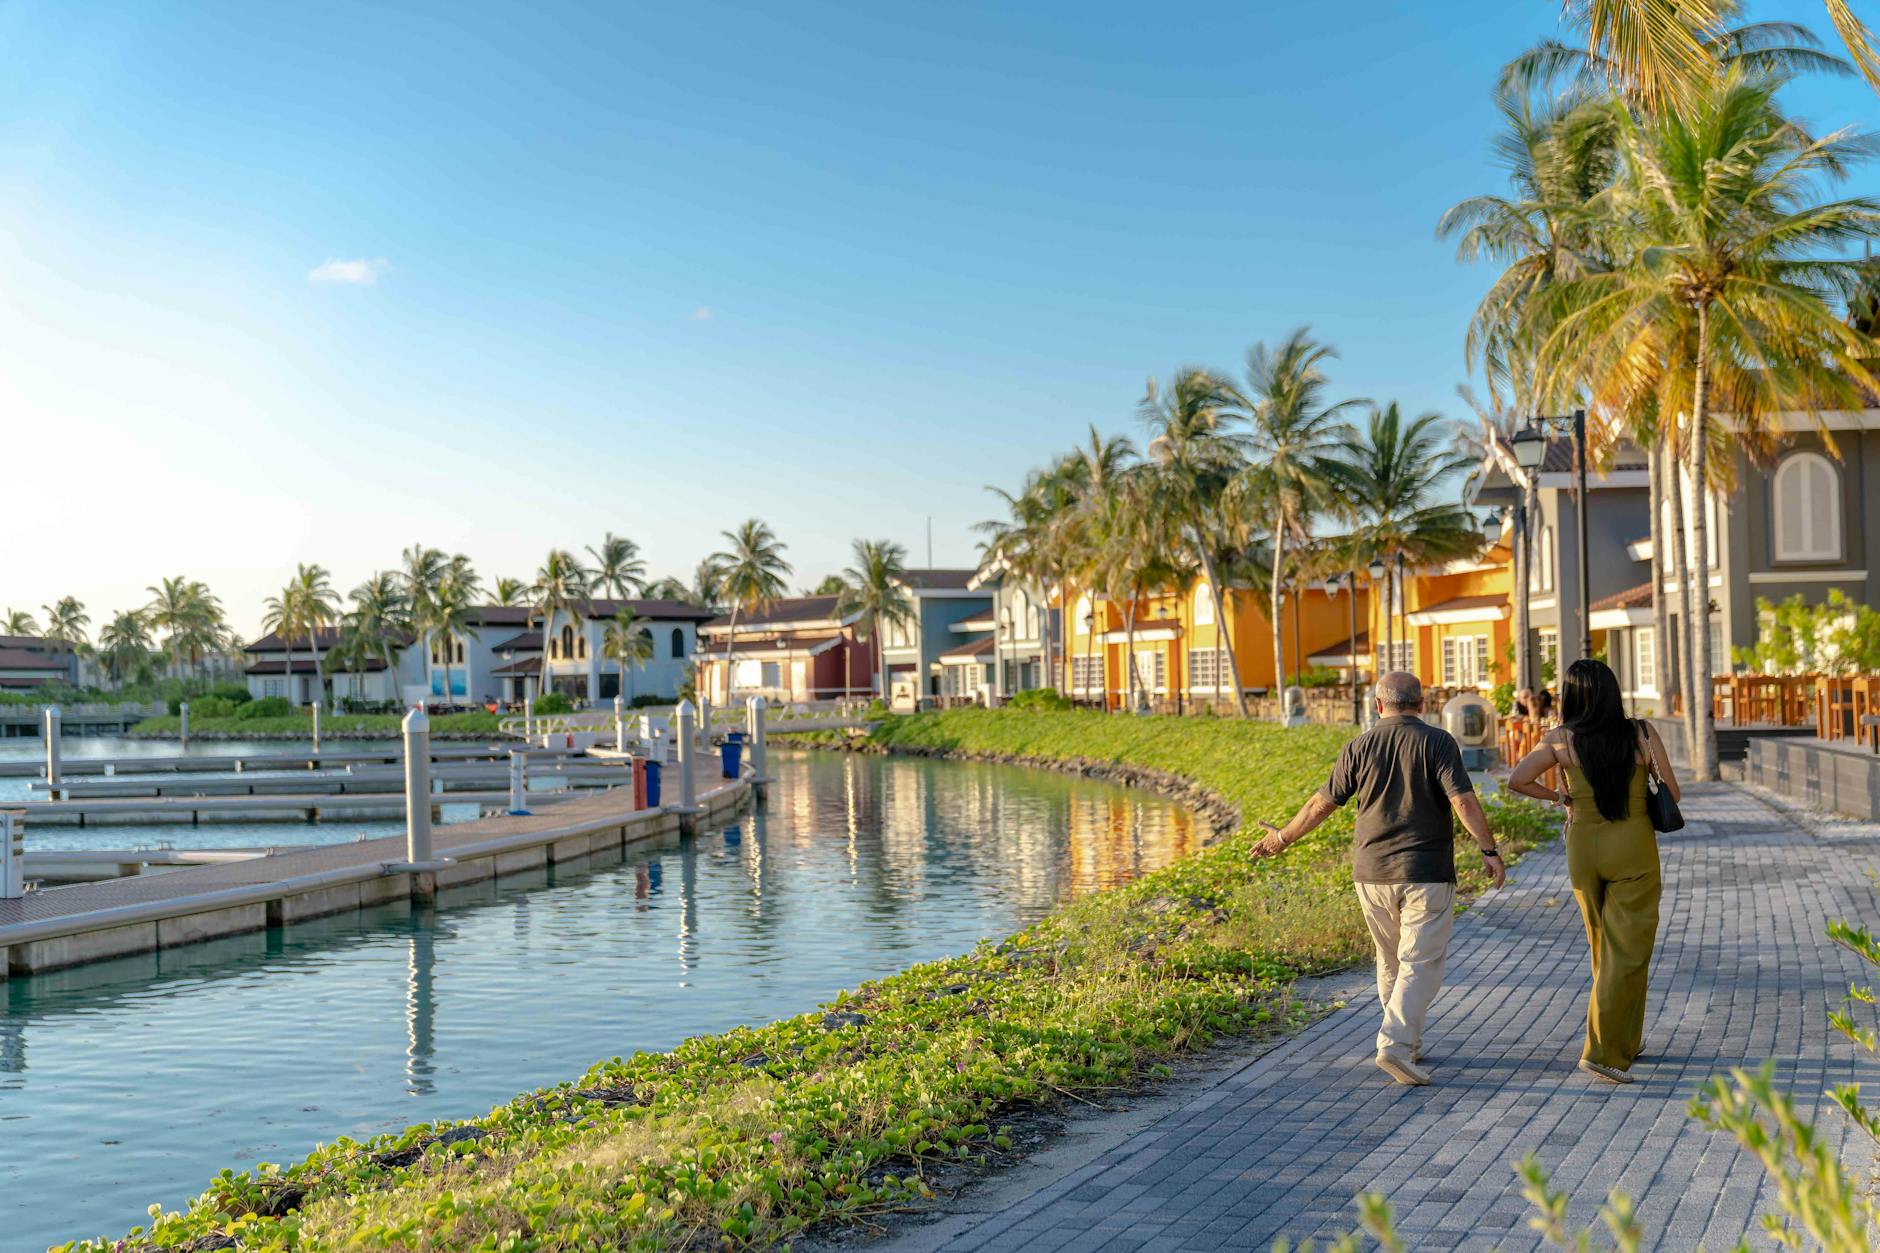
{"points": [[528, 717], [686, 745], [704, 721], [620, 724], [754, 711], [418, 800], [183, 710], [12, 854], [316, 728], [55, 751], [518, 782]]}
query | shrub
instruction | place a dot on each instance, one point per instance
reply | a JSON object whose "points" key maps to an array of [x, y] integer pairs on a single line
{"points": [[1501, 696], [266, 707], [1040, 698], [1317, 676], [554, 703], [646, 700], [212, 707]]}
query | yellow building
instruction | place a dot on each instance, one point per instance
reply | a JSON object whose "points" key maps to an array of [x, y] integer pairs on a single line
{"points": [[1451, 625], [1179, 649]]}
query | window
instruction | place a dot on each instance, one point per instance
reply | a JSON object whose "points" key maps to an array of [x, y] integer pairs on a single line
{"points": [[964, 680], [567, 642], [460, 652], [1208, 669], [1204, 604], [678, 642], [1086, 674], [1481, 660], [1550, 650], [1806, 508], [273, 687], [580, 648], [773, 674], [1645, 659], [1082, 623], [1719, 660], [1450, 672], [1152, 669]]}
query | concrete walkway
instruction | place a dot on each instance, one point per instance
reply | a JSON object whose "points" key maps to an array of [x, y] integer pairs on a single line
{"points": [[1280, 1146]]}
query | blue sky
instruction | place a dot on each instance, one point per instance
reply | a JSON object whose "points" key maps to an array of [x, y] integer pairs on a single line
{"points": [[656, 268]]}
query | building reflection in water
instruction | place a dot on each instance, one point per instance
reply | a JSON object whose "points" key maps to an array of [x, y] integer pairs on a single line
{"points": [[688, 905]]}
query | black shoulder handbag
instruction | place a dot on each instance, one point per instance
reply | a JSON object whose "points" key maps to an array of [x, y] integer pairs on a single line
{"points": [[1659, 805]]}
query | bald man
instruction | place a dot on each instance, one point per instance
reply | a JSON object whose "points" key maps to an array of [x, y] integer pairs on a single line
{"points": [[1408, 779]]}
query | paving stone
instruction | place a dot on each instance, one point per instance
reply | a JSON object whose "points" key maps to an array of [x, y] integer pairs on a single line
{"points": [[1743, 971]]}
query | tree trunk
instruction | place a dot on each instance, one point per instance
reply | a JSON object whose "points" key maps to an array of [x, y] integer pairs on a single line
{"points": [[1090, 655], [287, 671], [1388, 661], [1703, 753], [548, 639], [731, 650], [1661, 608], [1130, 677], [1674, 460], [1279, 645], [1225, 640]]}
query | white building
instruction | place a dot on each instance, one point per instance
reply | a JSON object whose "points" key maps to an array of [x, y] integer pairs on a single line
{"points": [[268, 674], [501, 661]]}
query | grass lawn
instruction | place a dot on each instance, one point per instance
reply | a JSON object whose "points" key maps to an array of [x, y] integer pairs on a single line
{"points": [[747, 1138]]}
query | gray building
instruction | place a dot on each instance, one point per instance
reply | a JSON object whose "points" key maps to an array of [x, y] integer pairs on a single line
{"points": [[943, 653], [1011, 634]]}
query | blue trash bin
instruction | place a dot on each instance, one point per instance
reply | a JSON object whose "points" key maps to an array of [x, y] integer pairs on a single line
{"points": [[731, 752], [652, 784]]}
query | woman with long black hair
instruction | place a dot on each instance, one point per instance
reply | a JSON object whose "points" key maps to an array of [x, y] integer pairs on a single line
{"points": [[1612, 852]]}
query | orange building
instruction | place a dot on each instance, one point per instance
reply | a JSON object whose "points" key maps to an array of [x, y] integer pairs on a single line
{"points": [[1179, 649], [1451, 625]]}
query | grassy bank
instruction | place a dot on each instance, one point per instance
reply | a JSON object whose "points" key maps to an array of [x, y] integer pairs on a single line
{"points": [[746, 1138], [295, 726]]}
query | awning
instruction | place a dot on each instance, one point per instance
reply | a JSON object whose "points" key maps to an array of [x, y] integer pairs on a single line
{"points": [[1492, 608]]}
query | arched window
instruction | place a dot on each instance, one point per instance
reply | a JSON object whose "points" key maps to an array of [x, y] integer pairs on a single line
{"points": [[678, 642], [1204, 604], [1081, 623], [580, 648], [1806, 496], [460, 652], [567, 643]]}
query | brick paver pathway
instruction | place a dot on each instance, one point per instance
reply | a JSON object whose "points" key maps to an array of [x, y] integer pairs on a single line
{"points": [[1742, 973]]}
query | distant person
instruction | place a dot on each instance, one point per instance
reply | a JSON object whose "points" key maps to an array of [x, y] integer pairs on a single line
{"points": [[1543, 706], [1408, 779], [1612, 852], [1524, 703]]}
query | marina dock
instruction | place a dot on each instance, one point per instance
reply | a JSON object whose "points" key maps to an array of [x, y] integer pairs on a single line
{"points": [[392, 754]]}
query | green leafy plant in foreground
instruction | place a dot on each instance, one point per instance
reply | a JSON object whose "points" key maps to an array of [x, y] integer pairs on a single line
{"points": [[750, 1137]]}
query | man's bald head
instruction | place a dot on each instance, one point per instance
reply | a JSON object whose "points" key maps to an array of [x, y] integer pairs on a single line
{"points": [[1399, 692]]}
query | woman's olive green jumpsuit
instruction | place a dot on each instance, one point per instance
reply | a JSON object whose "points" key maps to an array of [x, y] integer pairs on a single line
{"points": [[1614, 870]]}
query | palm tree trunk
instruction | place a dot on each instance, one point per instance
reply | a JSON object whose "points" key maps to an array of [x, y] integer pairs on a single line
{"points": [[1131, 680], [1674, 462], [548, 636], [1224, 639], [1090, 655], [731, 649], [1388, 661], [1661, 608], [1279, 648], [1704, 744], [287, 670]]}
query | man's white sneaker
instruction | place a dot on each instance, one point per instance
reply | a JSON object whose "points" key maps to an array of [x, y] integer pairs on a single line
{"points": [[1611, 1074], [1407, 1073]]}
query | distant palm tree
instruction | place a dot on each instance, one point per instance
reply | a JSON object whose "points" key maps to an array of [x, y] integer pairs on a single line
{"points": [[831, 585], [750, 573], [18, 622], [124, 644], [628, 644], [511, 593], [669, 588], [1198, 451], [305, 607], [1390, 473], [379, 622], [451, 614], [708, 590], [66, 621], [560, 586], [189, 615], [1295, 434], [618, 567], [875, 587]]}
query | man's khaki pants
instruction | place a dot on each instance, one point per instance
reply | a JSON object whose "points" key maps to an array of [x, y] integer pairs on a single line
{"points": [[1410, 925]]}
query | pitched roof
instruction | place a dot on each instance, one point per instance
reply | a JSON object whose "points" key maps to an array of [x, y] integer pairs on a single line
{"points": [[978, 648], [304, 665], [522, 665], [32, 644], [1559, 458], [939, 580], [527, 642], [1458, 604], [326, 637], [818, 609], [21, 659], [1631, 598], [672, 610], [504, 615]]}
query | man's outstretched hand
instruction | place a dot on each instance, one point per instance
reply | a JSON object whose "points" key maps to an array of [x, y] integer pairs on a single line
{"points": [[1273, 843]]}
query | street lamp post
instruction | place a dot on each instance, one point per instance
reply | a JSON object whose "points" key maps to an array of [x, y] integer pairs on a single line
{"points": [[1350, 582], [1376, 571], [1530, 450]]}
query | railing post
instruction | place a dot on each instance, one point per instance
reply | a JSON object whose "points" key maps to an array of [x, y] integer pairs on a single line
{"points": [[620, 724], [686, 745], [183, 710], [754, 711], [55, 752], [316, 726], [705, 721], [528, 718], [12, 854], [418, 799], [518, 782]]}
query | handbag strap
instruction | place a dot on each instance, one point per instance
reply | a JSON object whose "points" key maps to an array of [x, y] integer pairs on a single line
{"points": [[1645, 742]]}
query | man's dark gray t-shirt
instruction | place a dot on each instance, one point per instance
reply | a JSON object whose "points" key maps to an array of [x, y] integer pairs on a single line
{"points": [[1402, 772]]}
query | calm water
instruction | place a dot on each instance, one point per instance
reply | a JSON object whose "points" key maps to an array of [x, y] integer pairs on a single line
{"points": [[133, 1081]]}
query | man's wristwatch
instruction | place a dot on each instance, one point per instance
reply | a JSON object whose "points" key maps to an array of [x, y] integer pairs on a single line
{"points": [[1491, 852]]}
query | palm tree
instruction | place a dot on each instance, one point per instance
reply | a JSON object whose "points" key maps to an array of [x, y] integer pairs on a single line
{"points": [[875, 587], [66, 621], [1721, 298], [1295, 433], [628, 644], [1498, 425], [124, 643], [304, 607], [750, 573], [831, 585], [1391, 475], [18, 622], [669, 588], [451, 614], [560, 585], [618, 567], [379, 623], [189, 615], [511, 593], [707, 585], [1198, 451]]}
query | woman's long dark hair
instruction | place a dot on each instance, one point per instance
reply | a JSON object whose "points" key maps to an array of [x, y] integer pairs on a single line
{"points": [[1605, 743]]}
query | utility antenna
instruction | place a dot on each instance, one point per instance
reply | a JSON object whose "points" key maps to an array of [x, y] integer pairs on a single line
{"points": [[930, 541]]}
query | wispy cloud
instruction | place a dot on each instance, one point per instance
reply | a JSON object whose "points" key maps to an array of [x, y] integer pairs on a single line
{"points": [[701, 314], [359, 272]]}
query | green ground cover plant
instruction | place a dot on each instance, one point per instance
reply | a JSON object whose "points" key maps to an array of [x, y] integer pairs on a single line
{"points": [[298, 724], [750, 1137]]}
